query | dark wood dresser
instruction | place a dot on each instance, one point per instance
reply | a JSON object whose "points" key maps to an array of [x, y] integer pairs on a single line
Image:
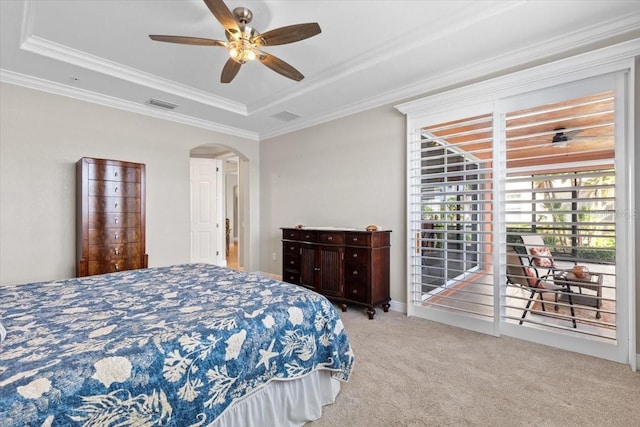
{"points": [[110, 216], [347, 266]]}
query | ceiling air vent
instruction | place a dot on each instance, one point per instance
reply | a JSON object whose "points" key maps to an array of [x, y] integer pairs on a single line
{"points": [[161, 104], [285, 116]]}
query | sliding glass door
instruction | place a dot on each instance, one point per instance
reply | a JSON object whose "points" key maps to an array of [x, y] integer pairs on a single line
{"points": [[546, 166]]}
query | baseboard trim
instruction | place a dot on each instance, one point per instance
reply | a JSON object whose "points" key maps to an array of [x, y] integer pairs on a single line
{"points": [[398, 306]]}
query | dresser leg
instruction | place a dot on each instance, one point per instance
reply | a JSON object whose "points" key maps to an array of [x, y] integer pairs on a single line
{"points": [[371, 312], [344, 307], [385, 307]]}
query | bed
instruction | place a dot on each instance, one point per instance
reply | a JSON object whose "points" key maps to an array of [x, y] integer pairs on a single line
{"points": [[185, 345]]}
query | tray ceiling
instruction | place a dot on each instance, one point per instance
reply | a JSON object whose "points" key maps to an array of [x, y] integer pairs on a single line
{"points": [[368, 54]]}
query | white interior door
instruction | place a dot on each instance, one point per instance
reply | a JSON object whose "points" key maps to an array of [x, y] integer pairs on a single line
{"points": [[207, 220]]}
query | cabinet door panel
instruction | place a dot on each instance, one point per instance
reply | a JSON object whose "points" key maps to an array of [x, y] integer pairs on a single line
{"points": [[330, 271], [308, 269]]}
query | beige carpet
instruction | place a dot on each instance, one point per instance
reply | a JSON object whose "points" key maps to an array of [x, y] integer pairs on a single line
{"points": [[412, 372]]}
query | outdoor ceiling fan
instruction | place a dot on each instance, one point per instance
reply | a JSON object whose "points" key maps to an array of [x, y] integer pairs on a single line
{"points": [[562, 138], [244, 42]]}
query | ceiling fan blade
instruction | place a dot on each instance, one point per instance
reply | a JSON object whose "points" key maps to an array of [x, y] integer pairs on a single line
{"points": [[187, 40], [288, 34], [279, 66], [229, 71], [222, 14]]}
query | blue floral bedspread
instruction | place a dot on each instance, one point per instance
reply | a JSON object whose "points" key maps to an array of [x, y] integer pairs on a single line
{"points": [[160, 346]]}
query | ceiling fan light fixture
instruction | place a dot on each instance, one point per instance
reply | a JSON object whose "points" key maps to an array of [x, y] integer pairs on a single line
{"points": [[243, 42], [242, 51]]}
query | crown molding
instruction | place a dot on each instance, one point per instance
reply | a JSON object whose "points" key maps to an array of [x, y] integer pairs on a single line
{"points": [[31, 82], [507, 63], [511, 62], [470, 15], [81, 59], [600, 61]]}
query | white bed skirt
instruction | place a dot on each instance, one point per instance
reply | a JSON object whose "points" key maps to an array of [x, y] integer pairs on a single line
{"points": [[283, 403]]}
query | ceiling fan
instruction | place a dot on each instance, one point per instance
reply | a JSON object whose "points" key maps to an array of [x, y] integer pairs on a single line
{"points": [[562, 138], [244, 42]]}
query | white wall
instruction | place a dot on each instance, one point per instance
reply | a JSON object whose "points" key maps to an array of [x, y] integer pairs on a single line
{"points": [[349, 172], [41, 138]]}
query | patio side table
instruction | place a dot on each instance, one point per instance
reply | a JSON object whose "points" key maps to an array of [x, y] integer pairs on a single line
{"points": [[591, 281]]}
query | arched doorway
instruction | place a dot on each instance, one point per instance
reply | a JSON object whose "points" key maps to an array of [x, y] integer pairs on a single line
{"points": [[219, 207]]}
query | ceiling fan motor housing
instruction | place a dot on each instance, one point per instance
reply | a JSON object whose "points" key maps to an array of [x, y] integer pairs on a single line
{"points": [[242, 15]]}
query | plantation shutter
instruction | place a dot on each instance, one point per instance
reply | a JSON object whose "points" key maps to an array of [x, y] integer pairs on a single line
{"points": [[451, 212], [560, 186]]}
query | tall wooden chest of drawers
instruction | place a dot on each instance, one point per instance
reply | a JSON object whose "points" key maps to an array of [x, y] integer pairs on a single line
{"points": [[110, 216], [345, 265]]}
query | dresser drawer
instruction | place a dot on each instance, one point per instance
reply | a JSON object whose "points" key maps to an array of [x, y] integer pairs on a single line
{"points": [[356, 273], [113, 172], [308, 236], [114, 236], [113, 220], [356, 292], [331, 237], [291, 262], [114, 188], [112, 266], [291, 248], [114, 204], [354, 238], [290, 234], [291, 277], [356, 254], [110, 252]]}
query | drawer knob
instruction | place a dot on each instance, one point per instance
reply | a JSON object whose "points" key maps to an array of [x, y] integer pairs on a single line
{"points": [[355, 239], [116, 189], [355, 255], [116, 204], [330, 238], [355, 272], [307, 236], [115, 266], [116, 236], [115, 173], [355, 291], [292, 262], [292, 248], [117, 221], [115, 251]]}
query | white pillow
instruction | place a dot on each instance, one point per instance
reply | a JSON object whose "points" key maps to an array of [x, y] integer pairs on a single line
{"points": [[3, 333]]}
